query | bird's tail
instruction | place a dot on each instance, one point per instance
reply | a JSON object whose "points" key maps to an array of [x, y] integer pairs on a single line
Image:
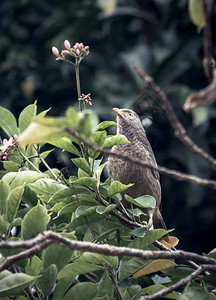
{"points": [[158, 221]]}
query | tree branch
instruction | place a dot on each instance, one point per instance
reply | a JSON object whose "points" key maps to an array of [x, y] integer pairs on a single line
{"points": [[182, 283], [43, 240], [175, 174], [33, 249], [202, 98], [179, 129]]}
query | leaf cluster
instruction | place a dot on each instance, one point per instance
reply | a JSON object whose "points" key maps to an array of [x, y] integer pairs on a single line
{"points": [[80, 207]]}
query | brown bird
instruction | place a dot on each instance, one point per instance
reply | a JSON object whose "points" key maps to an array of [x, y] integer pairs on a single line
{"points": [[146, 181]]}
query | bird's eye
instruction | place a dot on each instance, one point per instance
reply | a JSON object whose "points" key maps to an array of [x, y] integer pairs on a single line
{"points": [[130, 114]]}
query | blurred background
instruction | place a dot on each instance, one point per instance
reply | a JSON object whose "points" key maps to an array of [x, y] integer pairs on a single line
{"points": [[158, 36]]}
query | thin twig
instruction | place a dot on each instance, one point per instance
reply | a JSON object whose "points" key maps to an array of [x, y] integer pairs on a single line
{"points": [[112, 277], [179, 129], [28, 160], [118, 214], [175, 174], [48, 167], [207, 40], [183, 282], [204, 97]]}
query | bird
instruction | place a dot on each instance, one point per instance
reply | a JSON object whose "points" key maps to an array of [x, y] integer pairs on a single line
{"points": [[145, 181]]}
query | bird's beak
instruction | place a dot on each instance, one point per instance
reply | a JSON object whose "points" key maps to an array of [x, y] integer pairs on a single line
{"points": [[118, 112]]}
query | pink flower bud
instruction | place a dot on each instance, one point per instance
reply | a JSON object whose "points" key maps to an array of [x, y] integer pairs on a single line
{"points": [[65, 52], [55, 51], [87, 48], [67, 44], [77, 45], [77, 51]]}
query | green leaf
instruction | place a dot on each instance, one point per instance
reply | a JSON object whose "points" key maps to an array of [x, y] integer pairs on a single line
{"points": [[4, 192], [103, 125], [98, 173], [136, 212], [84, 210], [200, 115], [43, 113], [33, 153], [26, 116], [117, 187], [82, 291], [62, 286], [139, 232], [34, 222], [155, 266], [8, 122], [99, 259], [133, 292], [145, 201], [86, 181], [82, 174], [105, 287], [131, 266], [3, 225], [52, 121], [48, 279], [72, 117], [36, 133], [97, 138], [16, 179], [102, 229], [13, 202], [14, 284], [58, 255], [82, 164], [11, 166], [33, 266], [115, 140], [78, 268], [45, 188], [197, 293], [88, 121], [64, 143], [178, 272], [4, 274], [16, 222], [62, 195], [150, 237], [196, 13], [105, 209], [156, 288]]}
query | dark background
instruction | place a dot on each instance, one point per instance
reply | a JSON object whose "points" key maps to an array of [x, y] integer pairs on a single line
{"points": [[157, 35]]}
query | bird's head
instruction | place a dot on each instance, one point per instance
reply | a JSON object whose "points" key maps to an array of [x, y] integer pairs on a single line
{"points": [[127, 119]]}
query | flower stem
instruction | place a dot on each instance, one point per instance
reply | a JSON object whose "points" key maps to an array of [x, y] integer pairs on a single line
{"points": [[78, 83], [28, 160]]}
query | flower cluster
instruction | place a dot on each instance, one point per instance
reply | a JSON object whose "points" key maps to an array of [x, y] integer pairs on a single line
{"points": [[86, 98], [78, 51], [7, 146]]}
